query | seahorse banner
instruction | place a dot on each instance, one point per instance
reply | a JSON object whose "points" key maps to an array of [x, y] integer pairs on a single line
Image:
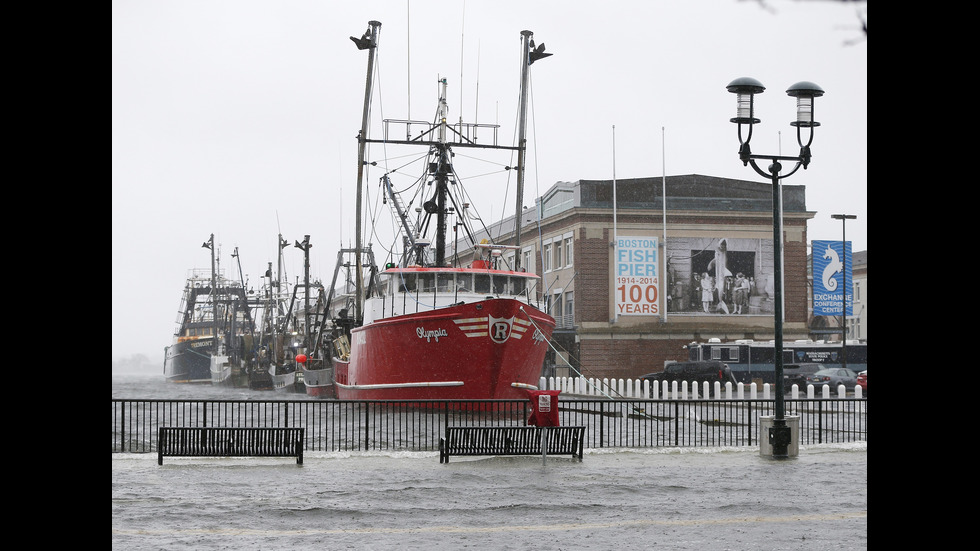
{"points": [[830, 263]]}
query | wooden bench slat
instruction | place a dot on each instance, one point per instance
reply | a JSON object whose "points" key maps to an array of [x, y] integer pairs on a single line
{"points": [[519, 440], [231, 442]]}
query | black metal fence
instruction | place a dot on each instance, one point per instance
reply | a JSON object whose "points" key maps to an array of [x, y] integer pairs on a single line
{"points": [[336, 425]]}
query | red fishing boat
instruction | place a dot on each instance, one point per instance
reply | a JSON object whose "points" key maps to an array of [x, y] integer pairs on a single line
{"points": [[430, 327], [447, 333]]}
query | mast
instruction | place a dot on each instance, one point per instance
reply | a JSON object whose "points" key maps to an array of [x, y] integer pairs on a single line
{"points": [[443, 168], [305, 246], [269, 317], [282, 245], [277, 303], [241, 278], [440, 165], [209, 244], [529, 54], [368, 41]]}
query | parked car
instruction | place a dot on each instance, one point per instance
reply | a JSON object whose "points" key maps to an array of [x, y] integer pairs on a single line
{"points": [[862, 381], [693, 372], [795, 374], [833, 376]]}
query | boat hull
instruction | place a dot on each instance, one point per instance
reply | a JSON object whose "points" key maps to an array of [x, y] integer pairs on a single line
{"points": [[319, 382], [221, 370], [260, 379], [485, 350], [288, 382], [189, 361]]}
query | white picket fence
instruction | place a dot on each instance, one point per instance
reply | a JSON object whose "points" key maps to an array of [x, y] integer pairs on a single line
{"points": [[680, 390]]}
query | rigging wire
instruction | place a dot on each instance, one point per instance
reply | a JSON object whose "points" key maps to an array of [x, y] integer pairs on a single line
{"points": [[573, 368], [517, 117], [374, 213], [459, 194], [551, 343]]}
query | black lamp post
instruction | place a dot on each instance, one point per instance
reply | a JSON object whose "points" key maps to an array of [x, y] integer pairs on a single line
{"points": [[746, 88], [843, 299]]}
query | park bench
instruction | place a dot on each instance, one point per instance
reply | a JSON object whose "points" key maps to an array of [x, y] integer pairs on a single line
{"points": [[230, 442], [518, 440]]}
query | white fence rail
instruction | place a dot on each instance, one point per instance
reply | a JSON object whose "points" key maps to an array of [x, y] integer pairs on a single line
{"points": [[682, 390]]}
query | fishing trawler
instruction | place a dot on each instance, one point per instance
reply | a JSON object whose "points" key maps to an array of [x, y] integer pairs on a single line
{"points": [[432, 327], [212, 332]]}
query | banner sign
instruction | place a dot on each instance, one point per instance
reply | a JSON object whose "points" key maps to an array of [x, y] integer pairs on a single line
{"points": [[830, 262], [637, 285]]}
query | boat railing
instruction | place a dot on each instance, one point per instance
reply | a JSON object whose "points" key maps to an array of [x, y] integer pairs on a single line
{"points": [[413, 302], [314, 364], [463, 132], [204, 274]]}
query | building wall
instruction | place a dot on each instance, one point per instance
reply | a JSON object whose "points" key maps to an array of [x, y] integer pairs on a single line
{"points": [[700, 209], [634, 346]]}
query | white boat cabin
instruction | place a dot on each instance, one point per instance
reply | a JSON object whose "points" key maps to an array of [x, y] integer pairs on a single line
{"points": [[416, 289]]}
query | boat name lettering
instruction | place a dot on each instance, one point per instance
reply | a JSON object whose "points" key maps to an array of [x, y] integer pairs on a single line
{"points": [[430, 334]]}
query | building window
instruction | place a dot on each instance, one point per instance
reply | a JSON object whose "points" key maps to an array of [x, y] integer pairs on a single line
{"points": [[568, 251], [558, 250], [547, 258], [569, 307]]}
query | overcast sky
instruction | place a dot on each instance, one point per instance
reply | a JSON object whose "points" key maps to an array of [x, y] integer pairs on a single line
{"points": [[240, 117]]}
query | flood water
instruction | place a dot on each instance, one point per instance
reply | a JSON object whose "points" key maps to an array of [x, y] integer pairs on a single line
{"points": [[661, 498]]}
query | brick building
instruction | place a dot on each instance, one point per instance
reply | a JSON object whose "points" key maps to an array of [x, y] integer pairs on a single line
{"points": [[623, 311]]}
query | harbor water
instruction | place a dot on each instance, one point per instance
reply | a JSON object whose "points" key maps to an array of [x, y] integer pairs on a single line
{"points": [[664, 498]]}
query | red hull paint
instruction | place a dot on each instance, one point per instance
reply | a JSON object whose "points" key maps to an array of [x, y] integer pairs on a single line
{"points": [[471, 351]]}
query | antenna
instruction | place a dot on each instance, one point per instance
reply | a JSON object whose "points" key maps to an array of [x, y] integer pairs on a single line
{"points": [[461, 43], [340, 202], [476, 108], [408, 63]]}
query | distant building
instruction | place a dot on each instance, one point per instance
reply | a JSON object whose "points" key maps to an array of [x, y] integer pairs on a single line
{"points": [[857, 325], [623, 273]]}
